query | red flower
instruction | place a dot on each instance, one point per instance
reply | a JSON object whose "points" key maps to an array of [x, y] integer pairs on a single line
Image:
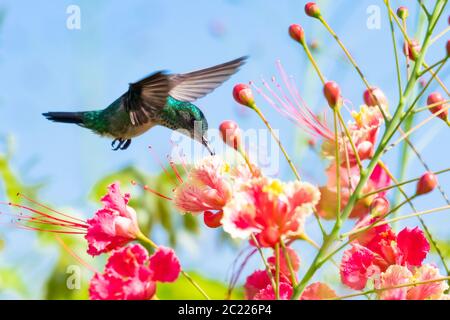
{"points": [[165, 265], [112, 226], [127, 276], [374, 250], [130, 274]]}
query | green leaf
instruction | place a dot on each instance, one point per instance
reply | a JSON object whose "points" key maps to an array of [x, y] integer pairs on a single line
{"points": [[10, 279], [182, 289]]}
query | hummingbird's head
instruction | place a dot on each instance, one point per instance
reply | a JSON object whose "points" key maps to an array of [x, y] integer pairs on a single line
{"points": [[192, 122]]}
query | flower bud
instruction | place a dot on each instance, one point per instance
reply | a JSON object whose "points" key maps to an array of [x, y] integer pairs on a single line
{"points": [[412, 49], [447, 47], [297, 33], [213, 220], [332, 93], [243, 95], [426, 183], [365, 150], [230, 133], [312, 10], [374, 94], [379, 206], [402, 13], [434, 98]]}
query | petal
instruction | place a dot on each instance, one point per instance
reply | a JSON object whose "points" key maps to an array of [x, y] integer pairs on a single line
{"points": [[269, 294], [318, 291], [395, 275], [432, 290], [255, 282], [114, 199], [413, 246], [357, 266], [165, 265], [126, 261]]}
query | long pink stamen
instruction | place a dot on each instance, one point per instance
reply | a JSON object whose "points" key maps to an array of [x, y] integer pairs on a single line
{"points": [[47, 215], [48, 208], [148, 189], [175, 170], [19, 226]]}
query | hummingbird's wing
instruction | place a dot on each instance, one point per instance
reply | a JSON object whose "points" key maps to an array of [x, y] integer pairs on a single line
{"points": [[146, 97], [194, 85]]}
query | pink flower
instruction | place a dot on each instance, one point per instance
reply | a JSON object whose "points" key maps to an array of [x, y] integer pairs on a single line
{"points": [[258, 283], [269, 294], [130, 274], [397, 275], [327, 206], [209, 186], [374, 250], [270, 209], [112, 226], [432, 290], [357, 266], [165, 265], [127, 276], [318, 291]]}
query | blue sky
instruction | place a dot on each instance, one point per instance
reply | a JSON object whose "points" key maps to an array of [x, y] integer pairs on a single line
{"points": [[45, 66]]}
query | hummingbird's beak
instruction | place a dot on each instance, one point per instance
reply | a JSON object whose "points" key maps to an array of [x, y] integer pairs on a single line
{"points": [[206, 144]]}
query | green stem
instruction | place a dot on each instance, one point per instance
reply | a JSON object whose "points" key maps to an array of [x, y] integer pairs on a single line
{"points": [[338, 166], [412, 284], [275, 137], [289, 263]]}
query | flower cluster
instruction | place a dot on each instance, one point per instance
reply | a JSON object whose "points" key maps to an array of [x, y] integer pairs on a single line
{"points": [[390, 260], [258, 285], [130, 274], [247, 203]]}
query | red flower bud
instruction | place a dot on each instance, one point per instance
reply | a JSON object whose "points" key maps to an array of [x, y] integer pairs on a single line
{"points": [[297, 33], [447, 47], [402, 13], [332, 94], [243, 94], [436, 97], [412, 49], [426, 183], [374, 94], [379, 206], [231, 134], [312, 10], [212, 220]]}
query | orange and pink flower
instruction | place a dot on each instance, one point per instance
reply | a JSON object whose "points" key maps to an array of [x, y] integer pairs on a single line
{"points": [[327, 206], [269, 209]]}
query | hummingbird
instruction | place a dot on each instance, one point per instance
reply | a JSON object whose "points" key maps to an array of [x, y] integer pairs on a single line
{"points": [[158, 99]]}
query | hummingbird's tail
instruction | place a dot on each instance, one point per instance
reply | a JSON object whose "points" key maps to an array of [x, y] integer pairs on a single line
{"points": [[65, 117]]}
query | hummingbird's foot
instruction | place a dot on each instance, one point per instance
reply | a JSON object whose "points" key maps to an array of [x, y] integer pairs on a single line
{"points": [[126, 144], [120, 143]]}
